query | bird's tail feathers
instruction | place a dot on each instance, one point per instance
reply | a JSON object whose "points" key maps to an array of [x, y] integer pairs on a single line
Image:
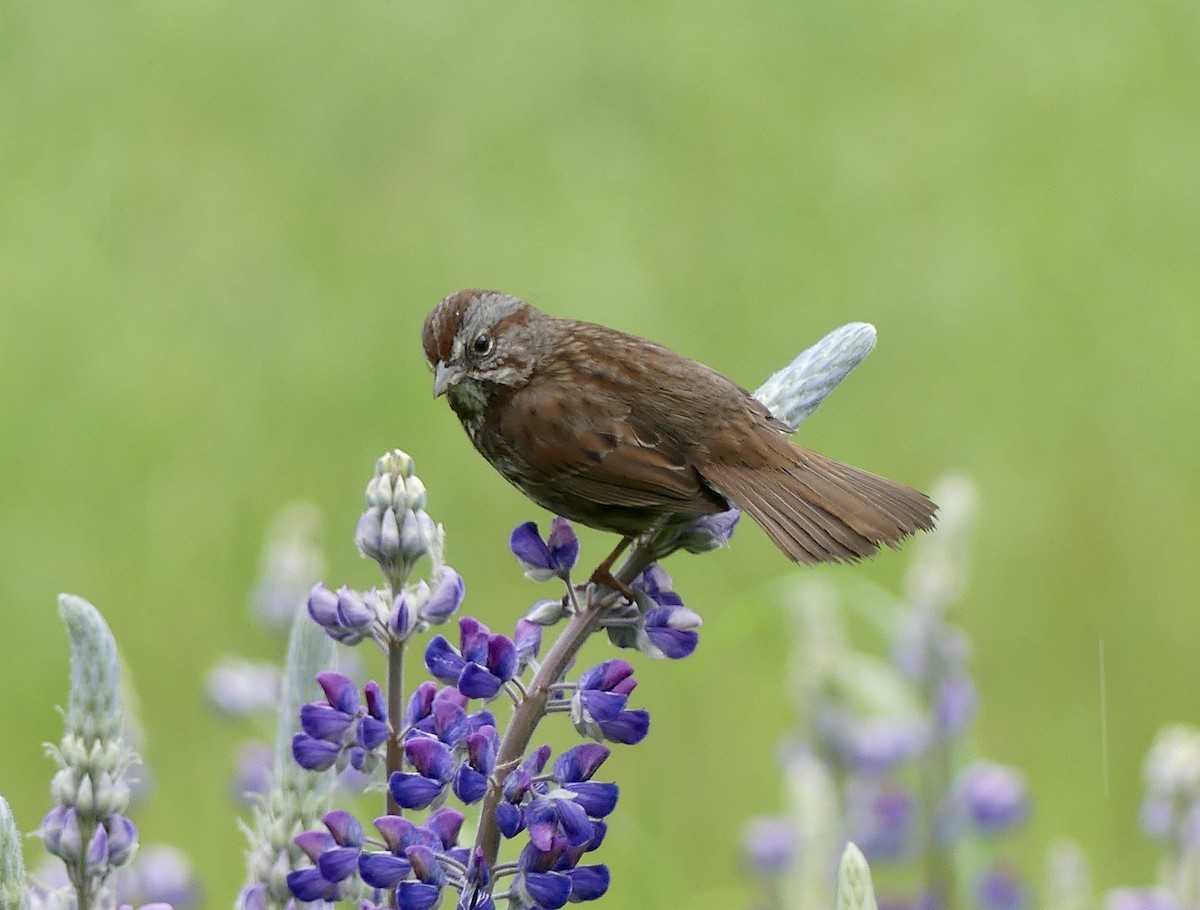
{"points": [[822, 510]]}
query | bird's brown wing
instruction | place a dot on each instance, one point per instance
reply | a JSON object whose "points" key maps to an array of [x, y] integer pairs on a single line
{"points": [[592, 446]]}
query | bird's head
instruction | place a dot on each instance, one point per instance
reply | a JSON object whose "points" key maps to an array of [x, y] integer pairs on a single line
{"points": [[476, 342]]}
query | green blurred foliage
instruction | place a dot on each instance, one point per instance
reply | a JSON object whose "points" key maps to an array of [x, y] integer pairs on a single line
{"points": [[221, 226]]}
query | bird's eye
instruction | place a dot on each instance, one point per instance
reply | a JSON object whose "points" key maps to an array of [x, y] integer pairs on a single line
{"points": [[482, 345]]}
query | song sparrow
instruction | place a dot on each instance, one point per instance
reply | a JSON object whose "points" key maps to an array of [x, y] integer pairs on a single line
{"points": [[624, 435]]}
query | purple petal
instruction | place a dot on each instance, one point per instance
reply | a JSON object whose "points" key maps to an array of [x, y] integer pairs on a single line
{"points": [[313, 754], [340, 691], [710, 531], [417, 895], [314, 843], [607, 676], [383, 870], [473, 637], [443, 660], [450, 722], [596, 799], [322, 605], [400, 618], [580, 762], [425, 864], [673, 644], [446, 597], [575, 823], [371, 733], [412, 791], [542, 821], [376, 704], [469, 784], [344, 828], [122, 838], [51, 828], [528, 639], [549, 890], [481, 749], [502, 657], [588, 882], [446, 823], [531, 551], [97, 849], [563, 545], [630, 727], [398, 832], [476, 682], [536, 760], [601, 706], [430, 757], [309, 885], [338, 863], [509, 819], [321, 721], [420, 703], [352, 609]]}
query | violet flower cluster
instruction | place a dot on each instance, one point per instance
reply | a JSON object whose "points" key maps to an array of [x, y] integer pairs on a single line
{"points": [[449, 761], [91, 841], [881, 757]]}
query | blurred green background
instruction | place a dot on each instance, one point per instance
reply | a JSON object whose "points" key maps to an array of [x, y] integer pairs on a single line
{"points": [[221, 226]]}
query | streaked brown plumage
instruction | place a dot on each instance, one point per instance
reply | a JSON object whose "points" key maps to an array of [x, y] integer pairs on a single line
{"points": [[624, 435]]}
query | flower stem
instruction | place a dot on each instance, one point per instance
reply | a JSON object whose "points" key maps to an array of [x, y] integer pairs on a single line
{"points": [[395, 708]]}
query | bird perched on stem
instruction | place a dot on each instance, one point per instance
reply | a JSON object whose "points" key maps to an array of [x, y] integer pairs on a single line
{"points": [[627, 436]]}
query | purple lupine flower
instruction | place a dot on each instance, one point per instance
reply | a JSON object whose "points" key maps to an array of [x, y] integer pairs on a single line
{"points": [[340, 730], [445, 597], [471, 778], [881, 817], [1000, 888], [435, 767], [484, 664], [552, 877], [992, 797], [655, 583], [158, 873], [870, 745], [426, 890], [574, 769], [346, 616], [528, 641], [334, 853], [541, 559], [670, 632], [598, 705], [440, 713], [770, 844], [709, 532], [339, 861], [510, 818]]}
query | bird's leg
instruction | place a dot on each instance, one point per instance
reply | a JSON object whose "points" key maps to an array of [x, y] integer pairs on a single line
{"points": [[604, 576]]}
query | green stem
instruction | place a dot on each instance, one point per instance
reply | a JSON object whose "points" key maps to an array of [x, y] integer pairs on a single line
{"points": [[395, 709]]}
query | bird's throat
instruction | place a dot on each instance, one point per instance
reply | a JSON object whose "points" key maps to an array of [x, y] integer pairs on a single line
{"points": [[468, 399]]}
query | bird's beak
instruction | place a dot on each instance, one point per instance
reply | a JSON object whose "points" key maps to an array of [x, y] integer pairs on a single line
{"points": [[444, 376]]}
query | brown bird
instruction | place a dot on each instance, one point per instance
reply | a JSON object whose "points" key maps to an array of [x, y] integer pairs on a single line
{"points": [[624, 435]]}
